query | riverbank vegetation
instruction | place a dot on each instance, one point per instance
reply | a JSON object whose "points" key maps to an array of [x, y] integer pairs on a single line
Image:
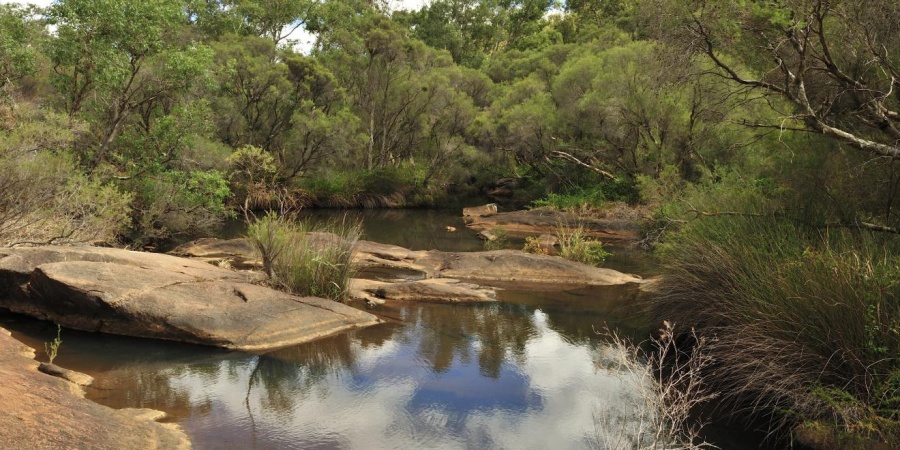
{"points": [[761, 136]]}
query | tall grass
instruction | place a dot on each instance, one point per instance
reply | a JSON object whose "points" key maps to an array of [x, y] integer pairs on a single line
{"points": [[807, 321], [302, 261]]}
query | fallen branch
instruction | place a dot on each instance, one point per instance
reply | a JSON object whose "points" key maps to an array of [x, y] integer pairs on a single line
{"points": [[569, 157]]}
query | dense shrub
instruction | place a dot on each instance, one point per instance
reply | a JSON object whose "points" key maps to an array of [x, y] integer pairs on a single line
{"points": [[575, 245], [44, 197]]}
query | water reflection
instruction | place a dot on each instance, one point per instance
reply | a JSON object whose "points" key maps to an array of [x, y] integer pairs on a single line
{"points": [[503, 375]]}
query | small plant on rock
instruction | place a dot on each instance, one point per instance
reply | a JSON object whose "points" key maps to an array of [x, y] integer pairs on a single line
{"points": [[498, 241], [575, 245], [535, 245], [52, 347]]}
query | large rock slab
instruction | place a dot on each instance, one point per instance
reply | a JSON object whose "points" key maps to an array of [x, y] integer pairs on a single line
{"points": [[165, 297], [513, 266], [501, 266], [39, 411]]}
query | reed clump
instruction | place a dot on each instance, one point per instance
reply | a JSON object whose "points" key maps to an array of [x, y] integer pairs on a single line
{"points": [[804, 323], [304, 261]]}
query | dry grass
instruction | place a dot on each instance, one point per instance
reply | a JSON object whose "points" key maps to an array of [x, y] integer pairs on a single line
{"points": [[666, 387]]}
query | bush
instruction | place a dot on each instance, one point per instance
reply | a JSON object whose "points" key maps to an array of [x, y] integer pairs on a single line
{"points": [[808, 321], [306, 262], [44, 197], [575, 245], [536, 246], [593, 196], [178, 202]]}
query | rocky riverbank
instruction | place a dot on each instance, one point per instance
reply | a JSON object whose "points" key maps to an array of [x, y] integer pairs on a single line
{"points": [[39, 411], [164, 297]]}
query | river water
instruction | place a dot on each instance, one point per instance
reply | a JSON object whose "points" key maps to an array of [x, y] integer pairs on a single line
{"points": [[527, 372]]}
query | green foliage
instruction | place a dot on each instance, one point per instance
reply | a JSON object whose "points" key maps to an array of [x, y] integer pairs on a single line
{"points": [[304, 261], [52, 347], [497, 239], [178, 202], [575, 245], [17, 58], [44, 198], [593, 196], [250, 164]]}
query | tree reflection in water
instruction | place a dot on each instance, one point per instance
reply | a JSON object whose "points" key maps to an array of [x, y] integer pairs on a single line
{"points": [[517, 373]]}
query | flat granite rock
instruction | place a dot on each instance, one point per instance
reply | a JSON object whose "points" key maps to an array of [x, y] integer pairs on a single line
{"points": [[436, 290], [39, 411], [164, 297], [500, 266]]}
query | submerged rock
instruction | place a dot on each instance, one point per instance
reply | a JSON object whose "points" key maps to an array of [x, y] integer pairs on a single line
{"points": [[164, 297], [66, 374], [39, 411]]}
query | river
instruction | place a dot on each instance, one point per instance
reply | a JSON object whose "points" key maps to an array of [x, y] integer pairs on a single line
{"points": [[531, 371]]}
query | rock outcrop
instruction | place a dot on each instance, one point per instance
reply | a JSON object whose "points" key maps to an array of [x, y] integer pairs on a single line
{"points": [[500, 266], [437, 290], [613, 231], [39, 411], [165, 297]]}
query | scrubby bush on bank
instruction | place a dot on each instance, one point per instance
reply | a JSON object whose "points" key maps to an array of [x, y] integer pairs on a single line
{"points": [[807, 320], [44, 197], [575, 245], [303, 261]]}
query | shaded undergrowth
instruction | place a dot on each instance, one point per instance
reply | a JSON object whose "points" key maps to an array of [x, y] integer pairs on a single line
{"points": [[804, 324]]}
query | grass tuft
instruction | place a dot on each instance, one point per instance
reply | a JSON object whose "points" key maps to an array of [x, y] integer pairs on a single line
{"points": [[315, 262], [807, 321]]}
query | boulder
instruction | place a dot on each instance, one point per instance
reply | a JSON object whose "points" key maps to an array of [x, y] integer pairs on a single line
{"points": [[515, 266], [165, 297], [474, 212], [495, 266], [39, 411]]}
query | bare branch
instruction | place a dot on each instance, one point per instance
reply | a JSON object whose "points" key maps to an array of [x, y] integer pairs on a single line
{"points": [[571, 158]]}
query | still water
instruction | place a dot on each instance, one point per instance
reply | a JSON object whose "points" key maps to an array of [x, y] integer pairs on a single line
{"points": [[528, 371]]}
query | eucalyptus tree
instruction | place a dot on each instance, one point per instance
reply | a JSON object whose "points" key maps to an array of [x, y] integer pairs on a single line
{"points": [[827, 68], [112, 58], [287, 104], [386, 75], [17, 56]]}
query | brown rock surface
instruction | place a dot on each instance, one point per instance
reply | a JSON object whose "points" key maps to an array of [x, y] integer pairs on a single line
{"points": [[38, 411], [441, 290], [495, 266], [543, 221], [164, 297]]}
